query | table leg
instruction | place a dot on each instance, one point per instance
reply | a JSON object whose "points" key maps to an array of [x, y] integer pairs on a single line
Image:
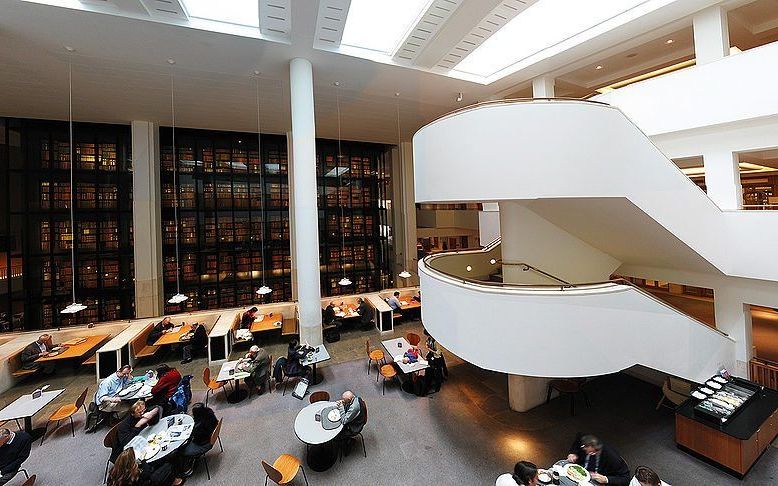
{"points": [[321, 457], [315, 377], [238, 395], [34, 433]]}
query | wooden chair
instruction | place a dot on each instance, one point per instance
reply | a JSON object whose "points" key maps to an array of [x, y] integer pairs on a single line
{"points": [[111, 441], [571, 387], [30, 480], [212, 385], [675, 390], [283, 470], [319, 396], [375, 355], [413, 338], [388, 372], [18, 425], [67, 412], [214, 439]]}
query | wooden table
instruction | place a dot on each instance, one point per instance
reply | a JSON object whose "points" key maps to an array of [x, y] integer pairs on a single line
{"points": [[347, 311], [267, 323], [173, 337], [410, 305], [77, 351]]}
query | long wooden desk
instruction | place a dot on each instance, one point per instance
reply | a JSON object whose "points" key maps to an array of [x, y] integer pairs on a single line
{"points": [[77, 351], [173, 337], [268, 322]]}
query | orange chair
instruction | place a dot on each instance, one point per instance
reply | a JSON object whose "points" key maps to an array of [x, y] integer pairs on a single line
{"points": [[319, 396], [413, 338], [212, 385], [30, 481], [283, 470], [376, 355], [388, 372], [67, 412], [111, 441]]}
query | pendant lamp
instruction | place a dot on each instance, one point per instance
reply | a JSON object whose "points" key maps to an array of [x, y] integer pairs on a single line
{"points": [[75, 306], [264, 289], [343, 282], [404, 273], [178, 298]]}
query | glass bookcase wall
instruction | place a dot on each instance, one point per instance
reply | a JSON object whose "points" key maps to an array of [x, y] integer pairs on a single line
{"points": [[353, 216], [35, 232], [221, 218]]}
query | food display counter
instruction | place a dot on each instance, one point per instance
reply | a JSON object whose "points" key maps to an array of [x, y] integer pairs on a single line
{"points": [[732, 426]]}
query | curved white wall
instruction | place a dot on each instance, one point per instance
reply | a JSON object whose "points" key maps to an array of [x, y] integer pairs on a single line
{"points": [[554, 333], [569, 150]]}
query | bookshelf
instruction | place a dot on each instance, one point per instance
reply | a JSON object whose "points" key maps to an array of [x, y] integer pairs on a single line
{"points": [[35, 168], [220, 218]]}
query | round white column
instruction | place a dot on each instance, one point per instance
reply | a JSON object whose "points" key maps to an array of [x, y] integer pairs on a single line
{"points": [[304, 208]]}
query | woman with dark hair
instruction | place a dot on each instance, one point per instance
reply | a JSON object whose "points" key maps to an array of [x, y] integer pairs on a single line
{"points": [[524, 474], [644, 476], [205, 422]]}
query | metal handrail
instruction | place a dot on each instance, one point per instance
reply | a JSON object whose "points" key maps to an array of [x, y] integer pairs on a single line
{"points": [[528, 267], [429, 259]]}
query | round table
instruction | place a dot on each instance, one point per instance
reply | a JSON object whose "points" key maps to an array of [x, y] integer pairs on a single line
{"points": [[163, 425], [321, 451]]}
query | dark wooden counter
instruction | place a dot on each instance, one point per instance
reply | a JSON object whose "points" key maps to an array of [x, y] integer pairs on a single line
{"points": [[738, 443]]}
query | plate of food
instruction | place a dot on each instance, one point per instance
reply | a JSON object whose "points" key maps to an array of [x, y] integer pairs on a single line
{"points": [[150, 451], [334, 415], [576, 473], [544, 476]]}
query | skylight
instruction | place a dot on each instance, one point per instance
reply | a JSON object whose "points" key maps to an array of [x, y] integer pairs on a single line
{"points": [[542, 25], [380, 25], [239, 12]]}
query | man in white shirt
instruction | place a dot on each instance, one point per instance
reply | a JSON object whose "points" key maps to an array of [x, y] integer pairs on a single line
{"points": [[394, 301]]}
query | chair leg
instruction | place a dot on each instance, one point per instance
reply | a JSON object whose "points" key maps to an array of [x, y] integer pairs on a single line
{"points": [[72, 428], [548, 394], [368, 366], [220, 444], [207, 471], [586, 399], [44, 433], [304, 476], [105, 477], [378, 374], [286, 380], [206, 397], [266, 476], [383, 386], [363, 444], [661, 401], [24, 471], [18, 425]]}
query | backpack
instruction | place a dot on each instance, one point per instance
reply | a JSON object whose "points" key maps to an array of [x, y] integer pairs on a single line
{"points": [[179, 402]]}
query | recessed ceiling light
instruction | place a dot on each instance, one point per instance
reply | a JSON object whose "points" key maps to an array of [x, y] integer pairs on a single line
{"points": [[256, 72], [669, 41], [598, 67], [70, 49], [336, 83], [171, 61]]}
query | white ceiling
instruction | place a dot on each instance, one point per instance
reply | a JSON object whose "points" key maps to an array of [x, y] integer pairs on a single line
{"points": [[120, 69]]}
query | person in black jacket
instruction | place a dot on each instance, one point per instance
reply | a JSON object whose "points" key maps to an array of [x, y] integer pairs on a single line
{"points": [[366, 314], [248, 318], [294, 354], [15, 449], [157, 331], [205, 422], [602, 461], [37, 349], [197, 342]]}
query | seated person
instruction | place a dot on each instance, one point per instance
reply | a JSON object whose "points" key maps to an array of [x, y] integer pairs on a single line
{"points": [[434, 356], [417, 298], [524, 474], [248, 318], [329, 318], [158, 330], [394, 301], [257, 363], [14, 450], [167, 383], [644, 476], [127, 472], [135, 421], [350, 414], [107, 397], [294, 354], [198, 341], [37, 349], [602, 461], [205, 422], [366, 313]]}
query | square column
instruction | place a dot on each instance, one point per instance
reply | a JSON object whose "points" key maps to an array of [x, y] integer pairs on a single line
{"points": [[147, 220], [543, 87], [722, 178], [711, 34], [303, 208]]}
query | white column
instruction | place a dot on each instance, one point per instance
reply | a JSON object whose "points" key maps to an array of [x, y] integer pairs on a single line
{"points": [[711, 34], [306, 213], [722, 179], [292, 233], [147, 220], [543, 87], [488, 223], [404, 215]]}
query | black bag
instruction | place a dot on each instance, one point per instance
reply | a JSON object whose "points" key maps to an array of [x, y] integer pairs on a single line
{"points": [[332, 335]]}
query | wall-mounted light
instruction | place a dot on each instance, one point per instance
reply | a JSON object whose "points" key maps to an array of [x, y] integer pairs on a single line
{"points": [[459, 97], [669, 41], [598, 67], [469, 268], [492, 261]]}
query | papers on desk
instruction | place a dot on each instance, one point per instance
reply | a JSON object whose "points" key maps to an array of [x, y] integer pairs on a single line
{"points": [[260, 317], [403, 302]]}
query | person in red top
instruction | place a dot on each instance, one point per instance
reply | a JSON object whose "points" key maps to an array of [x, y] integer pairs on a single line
{"points": [[168, 380]]}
